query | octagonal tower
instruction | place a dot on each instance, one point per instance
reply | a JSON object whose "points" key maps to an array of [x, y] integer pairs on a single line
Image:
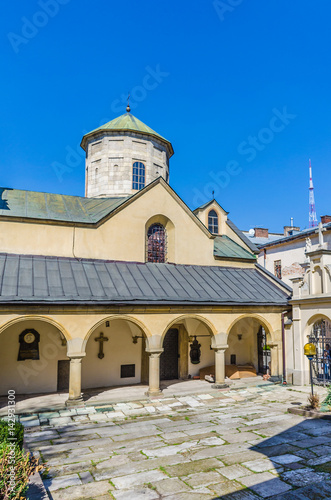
{"points": [[123, 156]]}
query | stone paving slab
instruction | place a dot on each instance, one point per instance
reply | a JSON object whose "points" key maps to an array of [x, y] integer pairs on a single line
{"points": [[244, 449]]}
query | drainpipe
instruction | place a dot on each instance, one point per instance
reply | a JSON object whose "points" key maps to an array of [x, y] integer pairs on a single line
{"points": [[283, 350], [265, 257]]}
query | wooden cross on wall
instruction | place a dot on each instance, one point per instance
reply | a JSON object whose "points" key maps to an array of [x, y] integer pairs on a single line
{"points": [[101, 340]]}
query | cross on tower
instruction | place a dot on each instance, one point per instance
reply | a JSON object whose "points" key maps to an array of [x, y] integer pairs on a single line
{"points": [[101, 340], [320, 232]]}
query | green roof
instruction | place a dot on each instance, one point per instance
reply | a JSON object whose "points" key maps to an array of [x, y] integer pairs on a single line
{"points": [[127, 122], [56, 207], [224, 247]]}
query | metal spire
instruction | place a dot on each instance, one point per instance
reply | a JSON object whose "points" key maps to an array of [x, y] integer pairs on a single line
{"points": [[128, 109], [312, 209]]}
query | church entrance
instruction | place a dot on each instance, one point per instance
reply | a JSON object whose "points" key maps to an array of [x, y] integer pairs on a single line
{"points": [[170, 355]]}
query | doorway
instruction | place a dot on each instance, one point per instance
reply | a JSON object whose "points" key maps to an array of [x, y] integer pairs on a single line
{"points": [[170, 355]]}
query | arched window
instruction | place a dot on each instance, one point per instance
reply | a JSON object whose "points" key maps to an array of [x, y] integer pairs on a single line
{"points": [[213, 222], [320, 335], [138, 175], [156, 247]]}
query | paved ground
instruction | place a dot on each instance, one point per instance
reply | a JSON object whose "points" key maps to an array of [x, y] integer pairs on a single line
{"points": [[240, 445]]}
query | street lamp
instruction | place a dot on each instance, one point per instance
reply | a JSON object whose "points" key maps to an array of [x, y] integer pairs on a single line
{"points": [[310, 352]]}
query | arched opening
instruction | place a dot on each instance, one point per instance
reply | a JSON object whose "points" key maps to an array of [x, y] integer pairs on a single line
{"points": [[33, 357], [213, 222], [156, 245], [320, 335], [138, 175], [317, 281], [249, 352], [187, 349], [115, 355]]}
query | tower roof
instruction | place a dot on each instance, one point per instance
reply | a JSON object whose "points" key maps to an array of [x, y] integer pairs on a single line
{"points": [[124, 123]]}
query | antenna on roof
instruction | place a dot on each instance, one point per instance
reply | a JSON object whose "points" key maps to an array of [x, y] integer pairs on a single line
{"points": [[128, 109], [312, 209]]}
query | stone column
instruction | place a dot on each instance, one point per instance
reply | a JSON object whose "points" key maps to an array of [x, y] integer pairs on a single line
{"points": [[75, 380], [220, 367], [274, 370], [154, 373]]}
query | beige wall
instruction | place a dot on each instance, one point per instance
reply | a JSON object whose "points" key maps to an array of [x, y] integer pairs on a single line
{"points": [[122, 237], [30, 376], [246, 348], [81, 327], [118, 350]]}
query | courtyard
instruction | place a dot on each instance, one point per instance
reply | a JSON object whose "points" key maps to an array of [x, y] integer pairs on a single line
{"points": [[236, 444]]}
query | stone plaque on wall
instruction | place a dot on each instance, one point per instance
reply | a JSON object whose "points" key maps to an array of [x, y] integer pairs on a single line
{"points": [[29, 345], [128, 371]]}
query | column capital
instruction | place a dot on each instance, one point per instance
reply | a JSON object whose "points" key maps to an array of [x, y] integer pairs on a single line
{"points": [[155, 353], [76, 355], [219, 347]]}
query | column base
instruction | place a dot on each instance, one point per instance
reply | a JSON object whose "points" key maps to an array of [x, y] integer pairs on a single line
{"points": [[154, 394], [71, 403], [220, 386]]}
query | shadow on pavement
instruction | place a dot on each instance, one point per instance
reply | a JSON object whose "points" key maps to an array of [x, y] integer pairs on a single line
{"points": [[301, 459]]}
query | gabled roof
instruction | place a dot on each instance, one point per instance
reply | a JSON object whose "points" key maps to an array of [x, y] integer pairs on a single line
{"points": [[54, 280], [206, 205], [226, 248], [75, 209], [243, 238], [55, 207], [125, 123]]}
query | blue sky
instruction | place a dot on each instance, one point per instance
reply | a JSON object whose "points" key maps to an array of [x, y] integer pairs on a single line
{"points": [[240, 87]]}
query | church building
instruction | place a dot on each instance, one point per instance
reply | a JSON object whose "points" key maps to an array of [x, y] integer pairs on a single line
{"points": [[127, 285]]}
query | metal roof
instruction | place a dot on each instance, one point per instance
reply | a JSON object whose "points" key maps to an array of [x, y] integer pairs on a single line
{"points": [[227, 248], [56, 207], [127, 122], [304, 233], [260, 241], [243, 237], [54, 280]]}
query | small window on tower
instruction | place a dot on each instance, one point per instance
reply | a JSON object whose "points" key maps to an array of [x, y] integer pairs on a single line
{"points": [[278, 269], [213, 222], [138, 175]]}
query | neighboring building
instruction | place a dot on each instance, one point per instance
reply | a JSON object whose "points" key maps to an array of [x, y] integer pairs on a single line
{"points": [[284, 254], [311, 305], [128, 285]]}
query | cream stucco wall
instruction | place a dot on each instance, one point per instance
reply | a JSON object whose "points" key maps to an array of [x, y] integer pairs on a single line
{"points": [[118, 350], [122, 237], [80, 327], [30, 376], [290, 253]]}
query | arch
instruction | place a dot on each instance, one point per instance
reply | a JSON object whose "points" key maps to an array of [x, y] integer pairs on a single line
{"points": [[257, 317], [113, 317], [36, 317], [170, 234], [138, 175], [197, 317], [314, 319], [213, 223], [156, 243]]}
